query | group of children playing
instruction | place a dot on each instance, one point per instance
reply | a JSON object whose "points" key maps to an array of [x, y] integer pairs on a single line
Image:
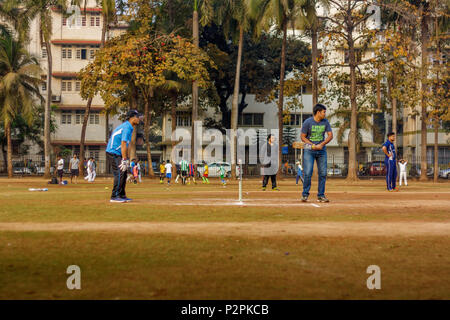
{"points": [[186, 171]]}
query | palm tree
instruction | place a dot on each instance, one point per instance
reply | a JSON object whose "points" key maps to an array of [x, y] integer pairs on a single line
{"points": [[108, 13], [42, 10], [310, 23], [233, 15], [279, 13], [195, 36], [19, 81]]}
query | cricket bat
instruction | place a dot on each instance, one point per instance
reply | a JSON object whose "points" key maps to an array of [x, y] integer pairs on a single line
{"points": [[301, 145]]}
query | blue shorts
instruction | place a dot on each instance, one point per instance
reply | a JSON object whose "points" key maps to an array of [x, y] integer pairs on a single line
{"points": [[168, 175]]}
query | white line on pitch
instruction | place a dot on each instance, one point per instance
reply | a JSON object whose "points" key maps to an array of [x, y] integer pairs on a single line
{"points": [[315, 205]]}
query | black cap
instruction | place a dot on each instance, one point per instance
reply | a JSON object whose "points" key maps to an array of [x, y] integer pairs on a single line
{"points": [[134, 113]]}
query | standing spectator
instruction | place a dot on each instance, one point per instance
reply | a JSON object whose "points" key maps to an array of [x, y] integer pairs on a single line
{"points": [[299, 172], [138, 165], [93, 170], [60, 168], [89, 170], [168, 168], [270, 163], [74, 167]]}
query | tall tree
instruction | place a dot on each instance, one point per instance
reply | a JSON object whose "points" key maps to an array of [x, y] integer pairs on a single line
{"points": [[19, 86], [108, 13], [233, 15], [279, 13], [42, 10], [311, 24], [196, 40], [342, 27]]}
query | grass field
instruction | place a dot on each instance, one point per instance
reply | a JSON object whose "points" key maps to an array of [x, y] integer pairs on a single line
{"points": [[198, 242]]}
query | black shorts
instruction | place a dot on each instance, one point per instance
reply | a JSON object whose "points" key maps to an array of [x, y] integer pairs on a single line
{"points": [[184, 173], [60, 173], [75, 172]]}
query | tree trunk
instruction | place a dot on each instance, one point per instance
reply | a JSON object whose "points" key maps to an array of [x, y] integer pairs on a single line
{"points": [[281, 96], [47, 112], [436, 149], [352, 169], [104, 29], [9, 143], [195, 34], [5, 157], [315, 56], [234, 105], [424, 88], [394, 114], [132, 146], [83, 134], [147, 115], [107, 126], [173, 111]]}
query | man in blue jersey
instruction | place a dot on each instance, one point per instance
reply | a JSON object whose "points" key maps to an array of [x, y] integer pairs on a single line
{"points": [[117, 151], [313, 135], [390, 162]]}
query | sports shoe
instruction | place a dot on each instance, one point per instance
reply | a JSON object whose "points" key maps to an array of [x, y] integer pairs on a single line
{"points": [[322, 199], [304, 198], [117, 200], [127, 199], [275, 189], [263, 189]]}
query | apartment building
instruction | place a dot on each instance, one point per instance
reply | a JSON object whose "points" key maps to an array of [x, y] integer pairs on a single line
{"points": [[74, 43]]}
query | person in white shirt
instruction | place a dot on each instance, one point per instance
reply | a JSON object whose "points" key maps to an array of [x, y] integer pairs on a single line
{"points": [[60, 168], [402, 164], [89, 170], [168, 167]]}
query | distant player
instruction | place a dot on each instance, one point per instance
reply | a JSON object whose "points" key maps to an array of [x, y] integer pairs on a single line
{"points": [[168, 167], [390, 162], [222, 175], [117, 152], [184, 170], [162, 172], [205, 173], [60, 168], [299, 172], [191, 173], [74, 167], [177, 168], [402, 165]]}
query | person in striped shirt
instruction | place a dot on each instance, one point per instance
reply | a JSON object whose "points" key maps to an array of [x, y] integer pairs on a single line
{"points": [[184, 170], [191, 173], [222, 175]]}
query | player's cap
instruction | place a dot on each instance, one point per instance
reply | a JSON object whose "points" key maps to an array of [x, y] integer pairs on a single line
{"points": [[134, 113]]}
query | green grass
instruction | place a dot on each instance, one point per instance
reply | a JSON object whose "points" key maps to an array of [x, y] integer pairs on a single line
{"points": [[129, 265]]}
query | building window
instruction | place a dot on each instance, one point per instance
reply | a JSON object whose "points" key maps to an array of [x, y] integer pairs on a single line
{"points": [[94, 117], [44, 52], [66, 52], [358, 55], [64, 21], [82, 54], [79, 116], [92, 54], [66, 117], [77, 85], [44, 84], [251, 119], [183, 119], [66, 86], [83, 21]]}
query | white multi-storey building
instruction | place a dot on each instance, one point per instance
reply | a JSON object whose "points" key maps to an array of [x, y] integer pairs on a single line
{"points": [[74, 42]]}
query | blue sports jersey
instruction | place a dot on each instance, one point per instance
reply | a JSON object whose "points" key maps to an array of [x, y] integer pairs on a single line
{"points": [[121, 133], [390, 149]]}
